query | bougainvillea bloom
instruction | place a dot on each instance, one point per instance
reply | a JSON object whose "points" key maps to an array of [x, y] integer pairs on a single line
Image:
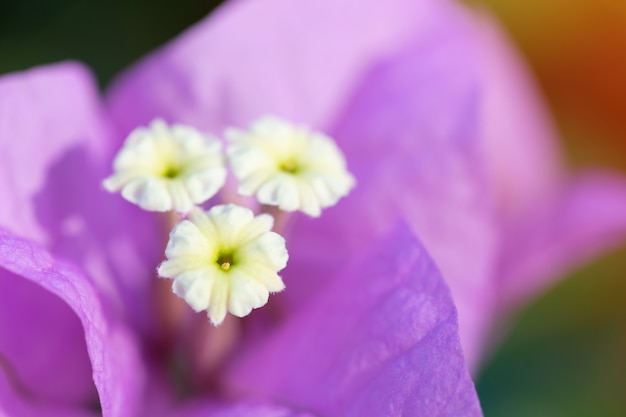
{"points": [[366, 325]]}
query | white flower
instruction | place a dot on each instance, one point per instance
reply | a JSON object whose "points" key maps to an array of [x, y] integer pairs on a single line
{"points": [[225, 259], [288, 166], [163, 168]]}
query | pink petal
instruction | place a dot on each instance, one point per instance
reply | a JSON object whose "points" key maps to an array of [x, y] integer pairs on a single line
{"points": [[519, 141], [55, 148], [298, 60], [44, 343], [242, 409], [13, 404], [551, 224], [381, 340], [115, 362], [585, 218], [409, 136]]}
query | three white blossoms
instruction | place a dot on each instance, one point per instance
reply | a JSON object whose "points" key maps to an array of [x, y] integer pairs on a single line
{"points": [[226, 259]]}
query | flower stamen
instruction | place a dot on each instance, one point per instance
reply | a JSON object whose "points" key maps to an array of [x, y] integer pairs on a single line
{"points": [[172, 172], [289, 167], [225, 261]]}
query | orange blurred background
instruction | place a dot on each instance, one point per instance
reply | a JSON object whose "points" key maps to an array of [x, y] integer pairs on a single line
{"points": [[577, 50]]}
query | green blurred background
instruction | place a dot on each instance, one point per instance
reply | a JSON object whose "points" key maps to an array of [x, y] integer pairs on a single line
{"points": [[566, 353]]}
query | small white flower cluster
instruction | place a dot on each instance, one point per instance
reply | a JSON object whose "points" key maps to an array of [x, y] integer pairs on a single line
{"points": [[288, 166], [165, 168], [226, 259]]}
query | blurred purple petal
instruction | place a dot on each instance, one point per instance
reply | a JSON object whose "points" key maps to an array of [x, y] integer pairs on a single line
{"points": [[55, 147], [243, 409], [43, 342], [587, 217], [409, 135], [550, 223], [381, 340], [299, 60], [14, 405], [117, 368], [519, 141]]}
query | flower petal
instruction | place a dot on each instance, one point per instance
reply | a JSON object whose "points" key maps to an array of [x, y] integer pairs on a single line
{"points": [[242, 409], [43, 343], [410, 139], [299, 60], [381, 340], [587, 217], [13, 404], [116, 364], [55, 149], [518, 141]]}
